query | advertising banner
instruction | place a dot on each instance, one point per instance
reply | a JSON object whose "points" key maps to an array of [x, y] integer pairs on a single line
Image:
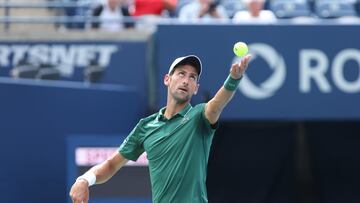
{"points": [[104, 62], [296, 72]]}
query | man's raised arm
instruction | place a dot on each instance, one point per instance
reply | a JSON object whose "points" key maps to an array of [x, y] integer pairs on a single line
{"points": [[216, 105]]}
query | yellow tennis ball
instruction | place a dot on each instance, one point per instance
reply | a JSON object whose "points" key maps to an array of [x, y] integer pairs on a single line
{"points": [[240, 49]]}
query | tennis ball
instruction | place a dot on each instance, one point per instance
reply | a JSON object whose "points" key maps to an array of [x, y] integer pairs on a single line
{"points": [[240, 49]]}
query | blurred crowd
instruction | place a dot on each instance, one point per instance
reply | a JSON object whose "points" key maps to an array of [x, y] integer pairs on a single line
{"points": [[117, 15]]}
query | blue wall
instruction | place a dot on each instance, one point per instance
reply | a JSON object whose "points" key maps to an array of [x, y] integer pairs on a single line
{"points": [[35, 119], [72, 58], [297, 72]]}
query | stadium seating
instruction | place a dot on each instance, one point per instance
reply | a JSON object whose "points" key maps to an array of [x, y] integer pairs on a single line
{"points": [[290, 8], [231, 6], [24, 71], [50, 73], [180, 4], [334, 8], [93, 73]]}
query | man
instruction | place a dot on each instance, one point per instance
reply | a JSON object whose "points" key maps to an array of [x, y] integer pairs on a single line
{"points": [[111, 14], [203, 11], [149, 13], [177, 139], [255, 13], [153, 7]]}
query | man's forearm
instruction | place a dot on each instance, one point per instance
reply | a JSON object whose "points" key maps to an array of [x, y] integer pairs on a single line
{"points": [[104, 171], [221, 99], [216, 105]]}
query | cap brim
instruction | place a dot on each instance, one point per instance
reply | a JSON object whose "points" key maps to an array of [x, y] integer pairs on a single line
{"points": [[190, 59]]}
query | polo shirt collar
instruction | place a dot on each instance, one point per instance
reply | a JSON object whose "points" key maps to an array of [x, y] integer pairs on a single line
{"points": [[185, 110], [182, 113]]}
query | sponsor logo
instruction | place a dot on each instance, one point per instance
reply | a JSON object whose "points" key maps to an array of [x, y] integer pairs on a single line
{"points": [[64, 57], [274, 82], [316, 72]]}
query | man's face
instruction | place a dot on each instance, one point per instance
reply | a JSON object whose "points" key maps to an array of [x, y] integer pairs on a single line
{"points": [[113, 4], [255, 6], [205, 1], [182, 83]]}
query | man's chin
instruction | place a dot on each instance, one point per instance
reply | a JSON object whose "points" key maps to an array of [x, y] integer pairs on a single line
{"points": [[182, 100]]}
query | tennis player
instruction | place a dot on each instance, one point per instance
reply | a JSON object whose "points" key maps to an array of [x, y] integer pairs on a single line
{"points": [[177, 139]]}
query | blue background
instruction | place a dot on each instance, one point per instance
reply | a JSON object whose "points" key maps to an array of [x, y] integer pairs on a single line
{"points": [[255, 153], [214, 46]]}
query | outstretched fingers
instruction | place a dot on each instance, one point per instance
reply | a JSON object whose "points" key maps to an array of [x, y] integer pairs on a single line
{"points": [[244, 63], [238, 69]]}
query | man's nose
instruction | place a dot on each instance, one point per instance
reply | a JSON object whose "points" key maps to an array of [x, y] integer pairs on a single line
{"points": [[185, 80]]}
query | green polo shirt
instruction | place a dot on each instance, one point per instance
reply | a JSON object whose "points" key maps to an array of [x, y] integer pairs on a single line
{"points": [[178, 151]]}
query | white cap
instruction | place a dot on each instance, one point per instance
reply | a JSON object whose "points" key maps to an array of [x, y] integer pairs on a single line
{"points": [[190, 59]]}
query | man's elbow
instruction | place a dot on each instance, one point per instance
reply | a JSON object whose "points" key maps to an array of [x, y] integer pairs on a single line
{"points": [[212, 116]]}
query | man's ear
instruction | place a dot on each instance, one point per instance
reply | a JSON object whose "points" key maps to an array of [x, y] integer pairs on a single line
{"points": [[167, 79], [197, 88]]}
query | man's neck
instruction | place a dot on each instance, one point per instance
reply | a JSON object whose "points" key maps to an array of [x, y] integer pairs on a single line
{"points": [[173, 108]]}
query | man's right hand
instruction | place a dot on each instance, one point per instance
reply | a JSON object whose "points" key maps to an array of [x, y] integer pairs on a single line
{"points": [[79, 192]]}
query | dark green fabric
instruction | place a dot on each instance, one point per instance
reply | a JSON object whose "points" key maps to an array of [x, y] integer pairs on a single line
{"points": [[177, 150]]}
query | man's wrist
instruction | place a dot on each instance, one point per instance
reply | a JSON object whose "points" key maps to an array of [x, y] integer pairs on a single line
{"points": [[231, 84], [90, 177]]}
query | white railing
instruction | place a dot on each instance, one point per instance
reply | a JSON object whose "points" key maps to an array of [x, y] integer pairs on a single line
{"points": [[7, 18], [85, 5]]}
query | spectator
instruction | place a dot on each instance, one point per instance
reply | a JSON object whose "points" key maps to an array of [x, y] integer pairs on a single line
{"points": [[255, 13], [203, 11], [111, 13], [151, 12], [153, 7]]}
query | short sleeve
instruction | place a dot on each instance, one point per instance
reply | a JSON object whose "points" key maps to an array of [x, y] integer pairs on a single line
{"points": [[131, 148], [208, 125]]}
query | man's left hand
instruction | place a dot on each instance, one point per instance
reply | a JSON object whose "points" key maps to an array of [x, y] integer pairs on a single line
{"points": [[238, 69]]}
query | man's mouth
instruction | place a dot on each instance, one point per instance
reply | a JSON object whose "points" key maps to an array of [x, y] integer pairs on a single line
{"points": [[183, 89]]}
